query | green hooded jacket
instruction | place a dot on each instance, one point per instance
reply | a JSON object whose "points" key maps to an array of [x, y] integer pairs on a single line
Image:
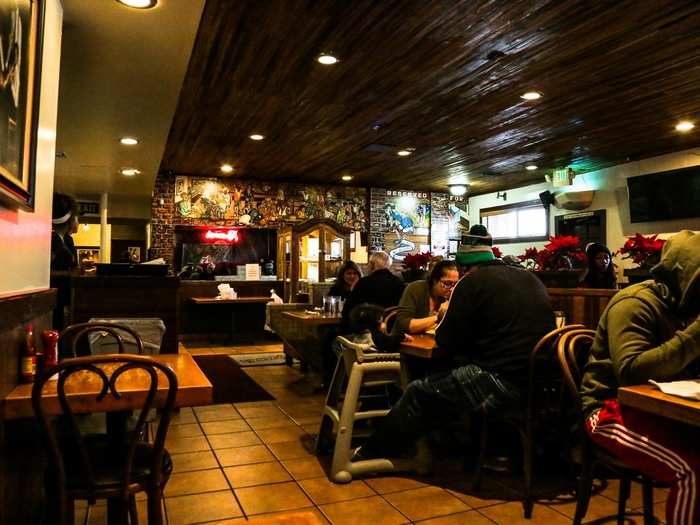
{"points": [[644, 333]]}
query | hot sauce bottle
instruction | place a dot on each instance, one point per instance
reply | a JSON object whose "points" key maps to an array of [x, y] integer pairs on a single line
{"points": [[50, 338], [28, 357]]}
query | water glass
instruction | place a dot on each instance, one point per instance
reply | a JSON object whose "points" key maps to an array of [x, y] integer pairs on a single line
{"points": [[560, 318]]}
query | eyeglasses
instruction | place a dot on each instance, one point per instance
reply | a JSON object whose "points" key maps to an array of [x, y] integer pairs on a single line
{"points": [[448, 284]]}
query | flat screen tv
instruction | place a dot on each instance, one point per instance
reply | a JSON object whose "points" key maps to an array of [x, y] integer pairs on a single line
{"points": [[666, 195]]}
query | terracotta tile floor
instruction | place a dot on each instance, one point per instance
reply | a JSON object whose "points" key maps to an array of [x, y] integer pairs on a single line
{"points": [[252, 461]]}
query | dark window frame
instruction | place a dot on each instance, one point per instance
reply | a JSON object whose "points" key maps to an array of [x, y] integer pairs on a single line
{"points": [[516, 206]]}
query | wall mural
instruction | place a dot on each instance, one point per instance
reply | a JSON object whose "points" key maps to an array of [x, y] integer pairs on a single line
{"points": [[267, 204], [407, 222]]}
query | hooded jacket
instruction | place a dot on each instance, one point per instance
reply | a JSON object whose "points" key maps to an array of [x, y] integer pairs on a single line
{"points": [[644, 333]]}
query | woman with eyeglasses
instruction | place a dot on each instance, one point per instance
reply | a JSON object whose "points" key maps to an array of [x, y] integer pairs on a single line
{"points": [[424, 302]]}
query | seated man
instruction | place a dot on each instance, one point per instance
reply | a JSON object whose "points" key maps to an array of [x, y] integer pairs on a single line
{"points": [[424, 302], [650, 330], [497, 313], [379, 286]]}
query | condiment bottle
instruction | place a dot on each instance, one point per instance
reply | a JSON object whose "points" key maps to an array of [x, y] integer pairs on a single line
{"points": [[28, 357], [50, 338]]}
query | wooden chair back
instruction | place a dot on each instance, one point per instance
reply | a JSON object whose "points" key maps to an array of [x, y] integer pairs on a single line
{"points": [[572, 352], [71, 335], [108, 369], [389, 318]]}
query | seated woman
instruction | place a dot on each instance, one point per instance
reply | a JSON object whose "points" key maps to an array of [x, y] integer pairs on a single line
{"points": [[601, 271], [348, 275], [424, 302]]}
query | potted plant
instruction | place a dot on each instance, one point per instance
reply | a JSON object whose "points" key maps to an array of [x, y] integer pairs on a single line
{"points": [[559, 264], [416, 266], [497, 253], [645, 252]]}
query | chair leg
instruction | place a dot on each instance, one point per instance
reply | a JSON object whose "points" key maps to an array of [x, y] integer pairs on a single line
{"points": [[528, 502], [583, 493], [481, 458], [133, 514], [343, 440], [648, 501], [623, 496], [155, 510], [70, 511]]}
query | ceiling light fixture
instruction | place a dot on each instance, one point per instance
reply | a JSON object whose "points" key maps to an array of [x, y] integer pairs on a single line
{"points": [[326, 59], [404, 152], [226, 168], [684, 125], [129, 172], [129, 141], [139, 4], [531, 95], [346, 178], [531, 167], [256, 136], [458, 189]]}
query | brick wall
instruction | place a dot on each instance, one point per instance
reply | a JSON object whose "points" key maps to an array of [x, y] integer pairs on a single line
{"points": [[377, 221], [163, 219]]}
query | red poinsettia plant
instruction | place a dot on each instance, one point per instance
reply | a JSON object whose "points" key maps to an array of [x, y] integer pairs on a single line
{"points": [[417, 261], [529, 258], [497, 253], [645, 251], [563, 252]]}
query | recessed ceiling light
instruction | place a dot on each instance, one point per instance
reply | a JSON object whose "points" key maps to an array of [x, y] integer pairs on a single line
{"points": [[129, 172], [531, 95], [531, 167], [139, 4], [226, 168], [346, 178], [684, 125], [326, 59], [256, 136], [404, 152], [129, 141]]}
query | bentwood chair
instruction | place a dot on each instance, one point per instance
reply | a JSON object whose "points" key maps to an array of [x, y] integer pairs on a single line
{"points": [[73, 334], [114, 465], [543, 405], [572, 352], [389, 318]]}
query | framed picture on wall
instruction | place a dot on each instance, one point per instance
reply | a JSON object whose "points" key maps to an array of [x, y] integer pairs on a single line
{"points": [[21, 44]]}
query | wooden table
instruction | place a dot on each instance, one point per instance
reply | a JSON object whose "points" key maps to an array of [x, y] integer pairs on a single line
{"points": [[261, 300], [193, 389], [314, 319], [308, 337], [650, 399]]}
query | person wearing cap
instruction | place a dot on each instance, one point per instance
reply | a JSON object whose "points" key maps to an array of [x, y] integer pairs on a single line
{"points": [[601, 271], [64, 256], [64, 222], [496, 315], [650, 331]]}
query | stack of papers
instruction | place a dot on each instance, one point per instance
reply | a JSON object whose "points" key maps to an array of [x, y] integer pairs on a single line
{"points": [[689, 389]]}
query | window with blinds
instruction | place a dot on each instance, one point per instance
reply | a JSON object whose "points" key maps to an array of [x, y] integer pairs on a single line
{"points": [[521, 222]]}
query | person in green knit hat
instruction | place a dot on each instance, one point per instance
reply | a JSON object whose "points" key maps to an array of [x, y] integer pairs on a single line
{"points": [[651, 332], [496, 314]]}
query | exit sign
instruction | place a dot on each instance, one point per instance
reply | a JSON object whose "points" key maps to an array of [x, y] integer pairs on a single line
{"points": [[563, 177]]}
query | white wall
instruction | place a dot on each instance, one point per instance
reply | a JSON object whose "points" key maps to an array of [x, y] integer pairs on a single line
{"points": [[611, 195], [25, 238]]}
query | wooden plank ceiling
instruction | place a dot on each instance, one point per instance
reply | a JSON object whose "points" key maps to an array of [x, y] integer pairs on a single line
{"points": [[443, 77]]}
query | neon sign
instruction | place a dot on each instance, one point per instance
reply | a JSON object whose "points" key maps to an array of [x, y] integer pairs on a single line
{"points": [[220, 235]]}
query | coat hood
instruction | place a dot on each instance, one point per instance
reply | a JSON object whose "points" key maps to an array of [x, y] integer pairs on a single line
{"points": [[679, 268]]}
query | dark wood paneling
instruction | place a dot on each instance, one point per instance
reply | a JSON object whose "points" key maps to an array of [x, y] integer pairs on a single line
{"points": [[114, 297], [20, 455], [582, 305], [34, 308], [442, 77]]}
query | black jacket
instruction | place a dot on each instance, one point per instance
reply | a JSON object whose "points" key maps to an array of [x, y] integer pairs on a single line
{"points": [[495, 317], [381, 287]]}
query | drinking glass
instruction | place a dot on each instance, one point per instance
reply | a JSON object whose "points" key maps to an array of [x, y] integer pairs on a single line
{"points": [[560, 318]]}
